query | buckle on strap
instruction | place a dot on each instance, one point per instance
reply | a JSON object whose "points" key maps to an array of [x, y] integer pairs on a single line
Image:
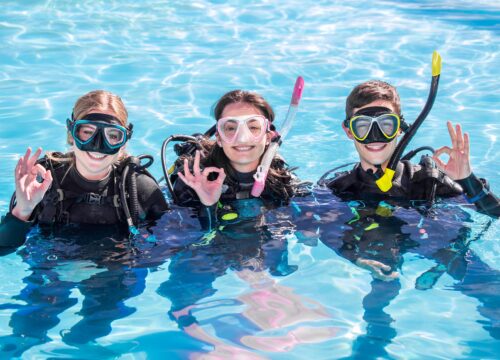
{"points": [[93, 199]]}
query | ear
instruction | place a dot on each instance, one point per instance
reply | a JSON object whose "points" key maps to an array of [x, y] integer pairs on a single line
{"points": [[269, 137], [347, 131], [218, 140]]}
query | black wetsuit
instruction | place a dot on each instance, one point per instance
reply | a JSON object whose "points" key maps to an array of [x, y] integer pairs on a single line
{"points": [[83, 202], [234, 192], [414, 182]]}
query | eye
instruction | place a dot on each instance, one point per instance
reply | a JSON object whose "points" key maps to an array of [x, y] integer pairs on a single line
{"points": [[114, 136], [85, 132], [254, 126]]}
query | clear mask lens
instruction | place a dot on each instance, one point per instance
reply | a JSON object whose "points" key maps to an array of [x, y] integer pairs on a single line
{"points": [[362, 125], [254, 126]]}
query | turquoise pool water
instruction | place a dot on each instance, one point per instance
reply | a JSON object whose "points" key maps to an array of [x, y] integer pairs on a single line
{"points": [[286, 296]]}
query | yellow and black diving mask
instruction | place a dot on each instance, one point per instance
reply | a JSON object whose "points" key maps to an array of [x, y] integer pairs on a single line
{"points": [[100, 133], [375, 124]]}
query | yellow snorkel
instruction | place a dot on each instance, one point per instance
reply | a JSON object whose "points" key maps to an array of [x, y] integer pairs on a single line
{"points": [[384, 182]]}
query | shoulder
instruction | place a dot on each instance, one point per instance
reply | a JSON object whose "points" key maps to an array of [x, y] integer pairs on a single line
{"points": [[340, 181]]}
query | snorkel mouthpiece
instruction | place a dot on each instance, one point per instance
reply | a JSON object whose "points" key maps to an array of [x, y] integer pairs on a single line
{"points": [[261, 173], [297, 91], [436, 64], [384, 183]]}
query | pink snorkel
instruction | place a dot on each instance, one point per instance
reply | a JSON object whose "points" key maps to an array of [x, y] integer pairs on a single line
{"points": [[261, 174]]}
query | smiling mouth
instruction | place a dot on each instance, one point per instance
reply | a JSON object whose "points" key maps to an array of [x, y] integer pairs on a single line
{"points": [[96, 156], [243, 148], [375, 147]]}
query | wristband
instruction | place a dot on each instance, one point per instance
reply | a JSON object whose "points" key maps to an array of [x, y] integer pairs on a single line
{"points": [[478, 196]]}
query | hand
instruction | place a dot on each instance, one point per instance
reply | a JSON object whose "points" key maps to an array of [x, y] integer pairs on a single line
{"points": [[29, 192], [379, 270], [208, 191], [458, 166]]}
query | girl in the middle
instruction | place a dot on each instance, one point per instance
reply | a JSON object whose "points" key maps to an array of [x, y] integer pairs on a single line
{"points": [[223, 170]]}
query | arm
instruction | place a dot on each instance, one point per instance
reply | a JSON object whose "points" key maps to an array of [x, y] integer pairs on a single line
{"points": [[477, 191], [13, 231], [29, 193], [458, 169]]}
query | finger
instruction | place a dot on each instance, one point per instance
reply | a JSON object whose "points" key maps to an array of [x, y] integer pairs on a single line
{"points": [[17, 171], [38, 170], [453, 136], [187, 172], [183, 178], [466, 144], [32, 160], [460, 138], [211, 169], [25, 159], [196, 165], [47, 181], [222, 176], [442, 150], [439, 163]]}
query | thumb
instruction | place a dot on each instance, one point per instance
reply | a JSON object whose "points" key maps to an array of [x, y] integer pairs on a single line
{"points": [[440, 164], [221, 177], [47, 181]]}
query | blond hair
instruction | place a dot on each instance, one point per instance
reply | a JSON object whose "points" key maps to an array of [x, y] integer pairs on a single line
{"points": [[94, 101]]}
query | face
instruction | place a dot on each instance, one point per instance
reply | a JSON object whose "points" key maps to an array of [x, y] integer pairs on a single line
{"points": [[374, 153], [94, 165], [243, 152]]}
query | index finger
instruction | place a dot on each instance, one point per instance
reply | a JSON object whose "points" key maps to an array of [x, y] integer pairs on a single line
{"points": [[453, 135], [34, 158], [196, 165]]}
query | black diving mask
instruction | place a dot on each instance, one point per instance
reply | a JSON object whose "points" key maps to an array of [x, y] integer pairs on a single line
{"points": [[100, 133]]}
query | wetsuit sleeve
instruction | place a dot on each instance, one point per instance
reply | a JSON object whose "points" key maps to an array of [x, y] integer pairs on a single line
{"points": [[13, 231], [151, 197], [477, 191]]}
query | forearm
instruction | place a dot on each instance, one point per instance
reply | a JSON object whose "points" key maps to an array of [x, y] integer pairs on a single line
{"points": [[13, 231], [478, 192]]}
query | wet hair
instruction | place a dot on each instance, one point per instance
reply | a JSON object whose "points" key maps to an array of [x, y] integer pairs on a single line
{"points": [[370, 91], [246, 97], [99, 100], [94, 101], [279, 178]]}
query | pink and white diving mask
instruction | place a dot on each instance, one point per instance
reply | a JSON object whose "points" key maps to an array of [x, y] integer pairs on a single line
{"points": [[244, 128]]}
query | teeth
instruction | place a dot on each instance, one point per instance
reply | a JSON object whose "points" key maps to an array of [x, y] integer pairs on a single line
{"points": [[243, 148], [375, 147], [96, 156]]}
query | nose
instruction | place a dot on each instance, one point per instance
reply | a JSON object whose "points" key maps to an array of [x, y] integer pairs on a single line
{"points": [[244, 134]]}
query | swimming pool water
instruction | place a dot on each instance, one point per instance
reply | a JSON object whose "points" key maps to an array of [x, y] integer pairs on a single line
{"points": [[275, 293]]}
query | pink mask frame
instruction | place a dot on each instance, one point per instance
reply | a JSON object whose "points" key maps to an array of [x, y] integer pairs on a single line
{"points": [[243, 120]]}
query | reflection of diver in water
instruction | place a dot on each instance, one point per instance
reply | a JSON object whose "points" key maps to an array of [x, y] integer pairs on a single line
{"points": [[251, 250], [106, 269], [376, 236]]}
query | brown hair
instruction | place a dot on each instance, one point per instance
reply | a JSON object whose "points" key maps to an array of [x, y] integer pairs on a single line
{"points": [[247, 97], [279, 176], [370, 91], [94, 101]]}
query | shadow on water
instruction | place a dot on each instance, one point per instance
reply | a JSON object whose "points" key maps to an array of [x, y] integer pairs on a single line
{"points": [[375, 236], [252, 313], [102, 263], [274, 318]]}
